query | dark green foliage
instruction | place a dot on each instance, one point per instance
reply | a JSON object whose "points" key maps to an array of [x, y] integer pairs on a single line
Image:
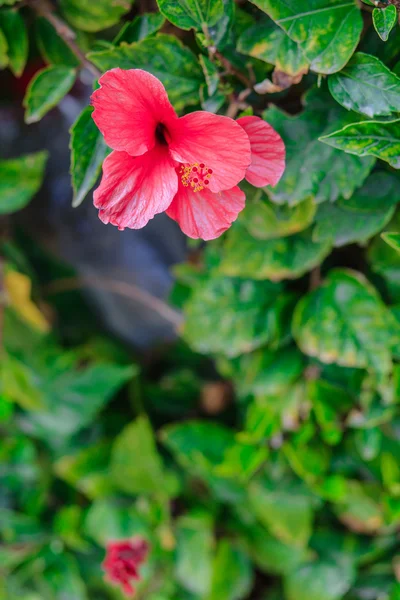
{"points": [[259, 454]]}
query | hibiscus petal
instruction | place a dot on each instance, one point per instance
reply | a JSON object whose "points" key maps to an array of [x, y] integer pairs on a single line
{"points": [[216, 141], [128, 107], [134, 189], [267, 152], [204, 214]]}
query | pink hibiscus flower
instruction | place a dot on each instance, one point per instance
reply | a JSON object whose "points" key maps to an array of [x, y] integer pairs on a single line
{"points": [[123, 560], [188, 166]]}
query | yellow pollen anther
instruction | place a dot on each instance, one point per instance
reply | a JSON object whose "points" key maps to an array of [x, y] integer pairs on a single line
{"points": [[197, 176]]}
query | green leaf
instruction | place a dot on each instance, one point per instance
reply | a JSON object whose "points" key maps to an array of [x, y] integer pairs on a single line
{"points": [[13, 28], [88, 150], [87, 470], [369, 138], [221, 33], [268, 42], [277, 259], [330, 403], [51, 46], [385, 262], [232, 574], [328, 31], [344, 321], [108, 520], [360, 217], [286, 511], [192, 13], [320, 580], [201, 448], [73, 396], [197, 445], [67, 525], [142, 26], [359, 508], [264, 372], [94, 16], [45, 91], [20, 179], [311, 171], [7, 2], [144, 476], [393, 239], [195, 544], [367, 86], [384, 19], [165, 57], [61, 577], [265, 220], [270, 554], [17, 385], [3, 51], [233, 316], [211, 74]]}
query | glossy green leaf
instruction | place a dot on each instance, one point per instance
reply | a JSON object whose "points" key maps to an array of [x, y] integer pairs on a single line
{"points": [[3, 50], [144, 476], [367, 86], [268, 42], [327, 31], [311, 170], [51, 46], [47, 88], [7, 2], [221, 33], [233, 316], [277, 259], [88, 150], [265, 220], [165, 57], [73, 397], [232, 573], [393, 239], [369, 138], [264, 372], [344, 321], [20, 179], [192, 13], [360, 217], [285, 511], [12, 25], [194, 552], [94, 16], [319, 580], [142, 26], [384, 19], [197, 445]]}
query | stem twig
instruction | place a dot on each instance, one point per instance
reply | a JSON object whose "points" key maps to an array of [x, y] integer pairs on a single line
{"points": [[45, 9], [129, 290]]}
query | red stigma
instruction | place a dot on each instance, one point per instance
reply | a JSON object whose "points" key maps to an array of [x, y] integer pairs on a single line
{"points": [[197, 176]]}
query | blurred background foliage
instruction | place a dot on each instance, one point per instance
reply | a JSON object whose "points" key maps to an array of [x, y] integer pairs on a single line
{"points": [[245, 421]]}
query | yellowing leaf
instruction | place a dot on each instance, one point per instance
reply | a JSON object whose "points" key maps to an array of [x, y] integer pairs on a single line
{"points": [[18, 288]]}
